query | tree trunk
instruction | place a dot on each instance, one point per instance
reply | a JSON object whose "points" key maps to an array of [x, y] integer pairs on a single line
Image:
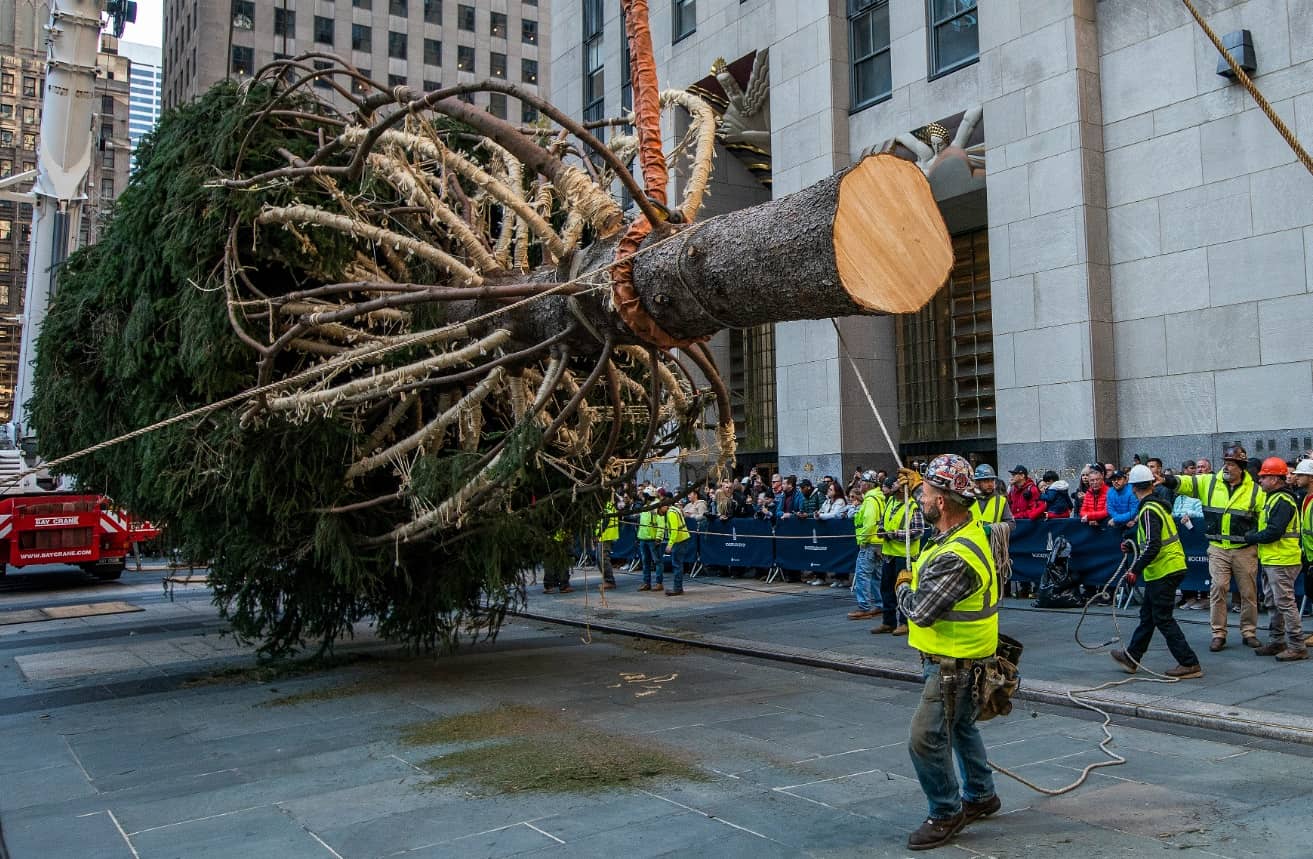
{"points": [[867, 240]]}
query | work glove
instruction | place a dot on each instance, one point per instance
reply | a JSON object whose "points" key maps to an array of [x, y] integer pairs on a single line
{"points": [[904, 578], [1251, 538], [1127, 547], [909, 478], [1130, 580]]}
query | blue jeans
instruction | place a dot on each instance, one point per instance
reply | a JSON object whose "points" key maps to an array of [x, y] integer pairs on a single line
{"points": [[649, 553], [932, 756], [867, 578], [682, 554]]}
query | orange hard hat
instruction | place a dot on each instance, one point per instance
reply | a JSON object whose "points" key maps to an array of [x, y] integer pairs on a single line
{"points": [[1273, 466]]}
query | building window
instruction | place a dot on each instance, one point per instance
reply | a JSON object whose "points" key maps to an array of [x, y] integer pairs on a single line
{"points": [[29, 86], [4, 261], [6, 166], [498, 28], [432, 53], [6, 228], [243, 14], [685, 18], [396, 81], [396, 45], [467, 97], [946, 357], [497, 104], [432, 11], [528, 113], [497, 65], [464, 58], [359, 87], [363, 4], [529, 71], [399, 8], [594, 70], [243, 60], [6, 111], [29, 116], [954, 35], [323, 30], [529, 32], [323, 81], [752, 387], [362, 37], [626, 75], [430, 86], [107, 158], [107, 105], [6, 83], [106, 188], [465, 17], [29, 140], [868, 35], [284, 22]]}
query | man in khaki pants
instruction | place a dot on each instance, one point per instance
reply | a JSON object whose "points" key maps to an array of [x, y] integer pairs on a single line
{"points": [[1231, 501]]}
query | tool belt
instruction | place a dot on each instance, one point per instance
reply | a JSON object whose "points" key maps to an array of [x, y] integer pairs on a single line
{"points": [[994, 680]]}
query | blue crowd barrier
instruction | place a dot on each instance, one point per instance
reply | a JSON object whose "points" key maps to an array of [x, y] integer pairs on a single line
{"points": [[815, 545], [736, 543], [828, 546]]}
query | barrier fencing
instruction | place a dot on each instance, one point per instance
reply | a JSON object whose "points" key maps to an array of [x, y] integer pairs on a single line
{"points": [[830, 546]]}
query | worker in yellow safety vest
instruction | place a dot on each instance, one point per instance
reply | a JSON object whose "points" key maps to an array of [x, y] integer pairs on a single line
{"points": [[902, 531], [1231, 501], [1279, 554], [1304, 481], [867, 522], [993, 512], [651, 534], [950, 597], [680, 545], [1161, 564], [607, 532]]}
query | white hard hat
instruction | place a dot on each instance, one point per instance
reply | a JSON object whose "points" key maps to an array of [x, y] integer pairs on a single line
{"points": [[1140, 474], [1305, 466]]}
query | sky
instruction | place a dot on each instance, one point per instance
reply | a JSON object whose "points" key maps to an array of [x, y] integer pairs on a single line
{"points": [[149, 29]]}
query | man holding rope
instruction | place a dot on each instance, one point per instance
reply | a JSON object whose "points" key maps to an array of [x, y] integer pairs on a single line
{"points": [[1161, 563], [950, 596]]}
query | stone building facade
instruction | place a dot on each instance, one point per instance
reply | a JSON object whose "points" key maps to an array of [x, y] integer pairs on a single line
{"points": [[422, 43], [1134, 240], [22, 81]]}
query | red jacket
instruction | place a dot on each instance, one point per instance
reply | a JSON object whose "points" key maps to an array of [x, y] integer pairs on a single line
{"points": [[1095, 506], [1024, 501]]}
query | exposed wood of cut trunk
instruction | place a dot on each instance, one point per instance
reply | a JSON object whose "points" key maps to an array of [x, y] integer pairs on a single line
{"points": [[867, 240]]}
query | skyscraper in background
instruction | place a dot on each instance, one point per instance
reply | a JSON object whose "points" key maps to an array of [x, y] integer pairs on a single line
{"points": [[144, 86]]}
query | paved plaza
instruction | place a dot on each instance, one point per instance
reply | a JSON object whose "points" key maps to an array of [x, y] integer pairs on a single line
{"points": [[147, 735]]}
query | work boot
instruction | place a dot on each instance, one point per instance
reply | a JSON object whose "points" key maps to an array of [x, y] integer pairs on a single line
{"points": [[1289, 655], [901, 629], [1217, 644], [882, 629], [566, 589], [1122, 658], [658, 587], [1251, 641], [976, 810], [934, 833], [862, 614], [608, 586], [547, 590], [645, 587], [1185, 672], [1270, 649]]}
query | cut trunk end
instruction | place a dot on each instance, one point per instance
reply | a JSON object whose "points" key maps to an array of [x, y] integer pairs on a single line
{"points": [[891, 246]]}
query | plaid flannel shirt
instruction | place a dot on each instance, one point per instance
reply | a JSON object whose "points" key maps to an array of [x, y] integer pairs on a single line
{"points": [[942, 583]]}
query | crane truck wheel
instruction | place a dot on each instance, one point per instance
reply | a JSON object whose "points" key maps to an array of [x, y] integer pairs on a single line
{"points": [[106, 572]]}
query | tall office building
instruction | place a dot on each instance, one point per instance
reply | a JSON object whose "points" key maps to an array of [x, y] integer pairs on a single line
{"points": [[145, 84], [22, 80], [421, 43]]}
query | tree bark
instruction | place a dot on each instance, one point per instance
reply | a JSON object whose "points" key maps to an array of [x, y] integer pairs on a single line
{"points": [[866, 240]]}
